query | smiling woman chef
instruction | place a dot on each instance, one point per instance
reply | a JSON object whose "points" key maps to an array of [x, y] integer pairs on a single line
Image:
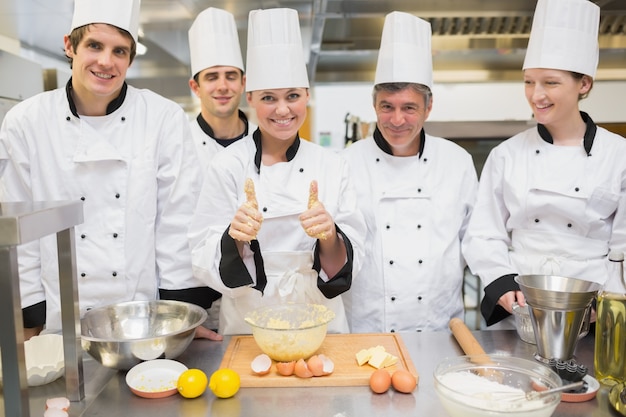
{"points": [[260, 234], [551, 199]]}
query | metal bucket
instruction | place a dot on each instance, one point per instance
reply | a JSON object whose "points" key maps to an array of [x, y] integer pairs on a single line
{"points": [[559, 311]]}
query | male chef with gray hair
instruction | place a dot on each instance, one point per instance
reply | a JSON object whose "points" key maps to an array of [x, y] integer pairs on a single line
{"points": [[416, 192], [125, 153]]}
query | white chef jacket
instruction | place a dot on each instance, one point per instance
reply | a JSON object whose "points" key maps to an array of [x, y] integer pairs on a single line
{"points": [[288, 253], [207, 146], [416, 209], [546, 209], [136, 172]]}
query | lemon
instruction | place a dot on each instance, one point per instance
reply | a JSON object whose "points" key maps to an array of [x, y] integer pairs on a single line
{"points": [[192, 383], [224, 383]]}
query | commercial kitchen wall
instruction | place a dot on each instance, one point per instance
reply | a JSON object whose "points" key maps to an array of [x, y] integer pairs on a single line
{"points": [[459, 102]]}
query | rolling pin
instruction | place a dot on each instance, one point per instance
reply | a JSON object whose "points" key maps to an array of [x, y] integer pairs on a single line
{"points": [[465, 338], [472, 348]]}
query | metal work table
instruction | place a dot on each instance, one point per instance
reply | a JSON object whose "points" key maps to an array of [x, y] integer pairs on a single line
{"points": [[107, 394]]}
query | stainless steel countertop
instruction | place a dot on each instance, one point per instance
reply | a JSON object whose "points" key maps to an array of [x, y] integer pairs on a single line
{"points": [[107, 394]]}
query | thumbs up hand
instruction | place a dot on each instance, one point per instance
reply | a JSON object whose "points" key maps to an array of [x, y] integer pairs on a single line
{"points": [[247, 220], [316, 221]]}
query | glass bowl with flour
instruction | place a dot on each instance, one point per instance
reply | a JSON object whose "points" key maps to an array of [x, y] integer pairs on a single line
{"points": [[495, 385]]}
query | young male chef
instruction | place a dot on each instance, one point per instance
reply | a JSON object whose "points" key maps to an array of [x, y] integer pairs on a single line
{"points": [[125, 153], [416, 192], [218, 80]]}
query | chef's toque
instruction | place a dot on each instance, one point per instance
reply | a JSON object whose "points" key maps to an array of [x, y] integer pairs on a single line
{"points": [[564, 36], [213, 41], [121, 13], [405, 51], [275, 58]]}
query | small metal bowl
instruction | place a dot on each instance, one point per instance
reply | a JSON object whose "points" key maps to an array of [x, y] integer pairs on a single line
{"points": [[123, 335]]}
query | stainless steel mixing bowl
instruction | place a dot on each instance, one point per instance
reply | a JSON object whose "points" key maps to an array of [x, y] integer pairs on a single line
{"points": [[122, 335]]}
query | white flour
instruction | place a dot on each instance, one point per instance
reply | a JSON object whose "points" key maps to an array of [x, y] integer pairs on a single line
{"points": [[484, 394]]}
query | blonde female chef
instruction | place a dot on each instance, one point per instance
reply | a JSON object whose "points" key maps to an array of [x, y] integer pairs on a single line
{"points": [[277, 219], [552, 198]]}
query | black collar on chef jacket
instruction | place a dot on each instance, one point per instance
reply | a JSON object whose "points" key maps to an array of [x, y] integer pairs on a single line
{"points": [[590, 132], [208, 130], [112, 106], [384, 145], [290, 154]]}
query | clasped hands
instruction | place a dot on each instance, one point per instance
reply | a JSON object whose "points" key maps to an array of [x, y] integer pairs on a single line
{"points": [[316, 221]]}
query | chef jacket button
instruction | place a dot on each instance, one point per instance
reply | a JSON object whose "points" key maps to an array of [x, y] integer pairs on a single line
{"points": [[419, 330], [377, 159], [537, 151], [393, 298], [391, 262], [117, 195], [420, 261], [123, 119], [82, 198], [82, 274], [419, 226], [569, 225], [68, 118], [419, 298], [301, 169], [536, 220], [392, 330], [115, 235], [419, 190], [83, 236], [114, 274], [425, 159], [387, 227], [264, 209], [577, 189], [204, 142]]}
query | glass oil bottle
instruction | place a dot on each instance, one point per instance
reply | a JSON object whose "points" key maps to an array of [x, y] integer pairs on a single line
{"points": [[610, 342]]}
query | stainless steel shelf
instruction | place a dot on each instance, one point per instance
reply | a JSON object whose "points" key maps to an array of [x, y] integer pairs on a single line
{"points": [[22, 223]]}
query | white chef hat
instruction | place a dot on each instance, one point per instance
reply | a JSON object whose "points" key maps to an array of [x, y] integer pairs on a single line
{"points": [[213, 41], [564, 36], [405, 51], [275, 58], [121, 13]]}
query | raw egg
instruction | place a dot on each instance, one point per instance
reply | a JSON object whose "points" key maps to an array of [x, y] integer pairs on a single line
{"points": [[380, 381], [403, 381]]}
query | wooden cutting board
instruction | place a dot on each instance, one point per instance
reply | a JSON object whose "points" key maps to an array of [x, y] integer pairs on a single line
{"points": [[341, 348]]}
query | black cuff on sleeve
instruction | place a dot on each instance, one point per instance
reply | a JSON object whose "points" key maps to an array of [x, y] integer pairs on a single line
{"points": [[200, 296], [35, 315], [342, 281], [233, 271], [489, 307]]}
